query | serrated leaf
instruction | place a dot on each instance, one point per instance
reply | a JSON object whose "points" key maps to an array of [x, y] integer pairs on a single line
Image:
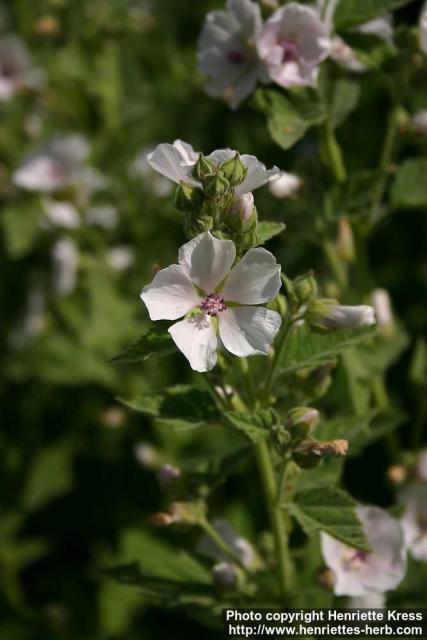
{"points": [[350, 13], [267, 230], [287, 120], [255, 426], [409, 189], [155, 343], [305, 348], [331, 510]]}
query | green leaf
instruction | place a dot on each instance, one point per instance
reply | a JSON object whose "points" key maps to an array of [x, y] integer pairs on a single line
{"points": [[345, 97], [305, 348], [51, 475], [21, 227], [350, 13], [409, 189], [155, 343], [255, 426], [331, 510], [267, 230], [418, 369], [288, 120], [182, 406]]}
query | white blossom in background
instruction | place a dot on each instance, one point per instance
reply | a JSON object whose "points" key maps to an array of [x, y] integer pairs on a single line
{"points": [[227, 53], [239, 545], [382, 27], [293, 43], [328, 315], [61, 214], [284, 185], [120, 258], [176, 162], [383, 309], [146, 455], [344, 55], [141, 168], [359, 573], [33, 321], [371, 600], [65, 262], [421, 466], [102, 215], [221, 299], [55, 166], [419, 122], [15, 67], [423, 28], [414, 520]]}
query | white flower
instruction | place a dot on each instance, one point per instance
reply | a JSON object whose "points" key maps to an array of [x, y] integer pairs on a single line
{"points": [[414, 520], [61, 214], [358, 573], [382, 305], [423, 28], [15, 67], [293, 43], [156, 183], [382, 27], [55, 166], [66, 259], [176, 161], [218, 295], [419, 122], [421, 466], [284, 185], [371, 600], [344, 55], [239, 545], [328, 315], [120, 258], [102, 215], [227, 52]]}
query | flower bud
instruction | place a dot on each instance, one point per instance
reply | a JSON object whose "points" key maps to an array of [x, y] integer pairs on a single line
{"points": [[214, 186], [225, 575], [302, 421], [397, 474], [309, 452], [194, 224], [305, 287], [203, 168], [188, 199], [243, 206], [168, 475], [325, 315], [234, 170], [345, 240], [190, 513], [383, 312]]}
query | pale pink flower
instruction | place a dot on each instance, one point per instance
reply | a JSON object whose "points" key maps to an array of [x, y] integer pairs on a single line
{"points": [[293, 43], [227, 53], [244, 206], [61, 214], [176, 162], [15, 67], [371, 600], [358, 573], [220, 298], [414, 520], [284, 185]]}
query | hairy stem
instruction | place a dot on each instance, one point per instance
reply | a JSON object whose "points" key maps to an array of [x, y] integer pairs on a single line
{"points": [[334, 154]]}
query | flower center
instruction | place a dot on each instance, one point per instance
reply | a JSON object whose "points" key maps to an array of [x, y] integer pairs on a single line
{"points": [[290, 50], [237, 57], [354, 560], [213, 304]]}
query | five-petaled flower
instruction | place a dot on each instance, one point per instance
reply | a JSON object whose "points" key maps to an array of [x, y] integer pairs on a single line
{"points": [[216, 297], [359, 573], [176, 161], [293, 43]]}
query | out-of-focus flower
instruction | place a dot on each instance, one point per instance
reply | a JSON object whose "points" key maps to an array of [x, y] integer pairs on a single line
{"points": [[382, 27], [112, 417], [66, 261], [227, 52], [146, 455], [414, 520], [204, 283], [61, 214], [156, 183], [15, 67], [167, 475], [55, 166], [293, 43], [33, 321], [421, 466], [423, 28], [239, 545], [284, 185], [325, 315], [47, 26], [102, 215], [344, 55], [176, 161], [383, 310], [225, 575], [359, 573], [419, 122], [120, 258], [371, 600]]}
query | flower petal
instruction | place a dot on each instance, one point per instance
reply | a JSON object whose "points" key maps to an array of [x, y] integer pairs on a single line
{"points": [[257, 176], [255, 279], [197, 340], [171, 294], [170, 161], [248, 331], [207, 260]]}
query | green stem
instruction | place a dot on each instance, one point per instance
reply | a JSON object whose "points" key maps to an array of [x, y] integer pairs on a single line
{"points": [[335, 263], [362, 258], [276, 514], [283, 483], [385, 159], [214, 392], [334, 154], [247, 381], [213, 534], [271, 375]]}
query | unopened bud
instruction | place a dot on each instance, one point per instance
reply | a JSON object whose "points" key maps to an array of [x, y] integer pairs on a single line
{"points": [[234, 170], [330, 448], [302, 421], [214, 186], [383, 312], [168, 475], [325, 315], [345, 240], [305, 287], [397, 474], [225, 575], [161, 519], [194, 224], [191, 513], [243, 206], [203, 168], [188, 198]]}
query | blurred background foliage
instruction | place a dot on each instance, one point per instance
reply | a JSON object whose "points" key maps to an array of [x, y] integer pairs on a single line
{"points": [[74, 495]]}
